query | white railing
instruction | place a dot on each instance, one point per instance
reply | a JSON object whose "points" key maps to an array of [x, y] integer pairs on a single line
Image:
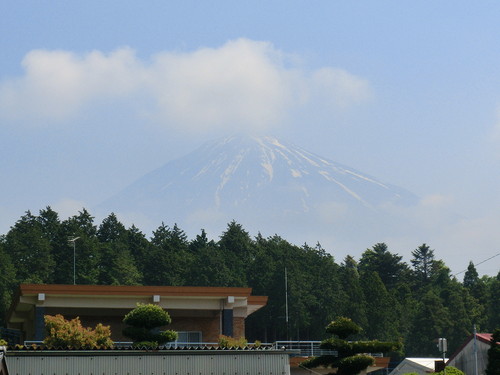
{"points": [[304, 348]]}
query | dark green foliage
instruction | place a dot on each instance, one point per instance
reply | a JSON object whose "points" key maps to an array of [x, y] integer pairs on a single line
{"points": [[349, 348], [343, 328], [86, 249], [493, 367], [168, 261], [355, 364], [142, 322], [147, 316], [381, 314], [353, 299], [381, 293], [450, 370], [30, 251], [348, 360], [431, 321], [494, 302], [7, 280], [471, 277], [388, 266], [423, 262]]}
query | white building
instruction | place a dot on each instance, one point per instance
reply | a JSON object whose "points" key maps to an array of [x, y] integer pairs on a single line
{"points": [[421, 366]]}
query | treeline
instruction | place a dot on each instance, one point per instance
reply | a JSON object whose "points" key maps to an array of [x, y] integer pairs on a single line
{"points": [[390, 299]]}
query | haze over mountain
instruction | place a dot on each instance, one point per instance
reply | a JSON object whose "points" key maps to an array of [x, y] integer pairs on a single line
{"points": [[268, 186]]}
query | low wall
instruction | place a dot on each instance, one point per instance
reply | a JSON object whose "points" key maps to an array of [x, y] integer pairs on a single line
{"points": [[140, 362]]}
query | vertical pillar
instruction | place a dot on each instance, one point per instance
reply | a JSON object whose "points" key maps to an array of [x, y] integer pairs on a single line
{"points": [[39, 331], [227, 322]]}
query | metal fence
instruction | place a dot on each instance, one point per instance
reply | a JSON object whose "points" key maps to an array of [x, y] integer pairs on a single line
{"points": [[304, 348]]}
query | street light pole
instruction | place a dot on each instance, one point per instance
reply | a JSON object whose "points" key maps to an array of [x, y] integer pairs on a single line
{"points": [[73, 240], [443, 348]]}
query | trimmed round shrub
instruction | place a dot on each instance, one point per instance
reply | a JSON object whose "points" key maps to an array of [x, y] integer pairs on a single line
{"points": [[343, 328]]}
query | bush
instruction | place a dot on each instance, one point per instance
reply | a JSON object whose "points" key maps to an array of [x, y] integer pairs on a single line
{"points": [[145, 345], [143, 323], [350, 360], [354, 364], [227, 342], [450, 370], [343, 328], [71, 334], [147, 316]]}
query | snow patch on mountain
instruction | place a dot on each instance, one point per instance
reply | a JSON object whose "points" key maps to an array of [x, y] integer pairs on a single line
{"points": [[266, 184]]}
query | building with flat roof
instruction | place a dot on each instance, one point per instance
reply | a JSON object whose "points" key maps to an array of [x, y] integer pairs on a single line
{"points": [[199, 314]]}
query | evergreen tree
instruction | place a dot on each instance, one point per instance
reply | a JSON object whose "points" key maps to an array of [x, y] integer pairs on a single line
{"points": [[30, 251], [471, 277], [493, 367], [116, 263], [139, 247], [494, 302], [86, 249], [209, 267], [50, 224], [323, 282], [477, 298], [432, 320], [388, 266], [461, 324], [381, 308], [239, 248], [423, 262], [7, 280], [111, 230], [169, 260], [405, 309], [266, 275], [353, 299]]}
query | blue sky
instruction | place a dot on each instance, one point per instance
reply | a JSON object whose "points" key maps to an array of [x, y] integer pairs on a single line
{"points": [[408, 92]]}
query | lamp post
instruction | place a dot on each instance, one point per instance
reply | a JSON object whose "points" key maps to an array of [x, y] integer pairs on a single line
{"points": [[443, 348], [73, 240]]}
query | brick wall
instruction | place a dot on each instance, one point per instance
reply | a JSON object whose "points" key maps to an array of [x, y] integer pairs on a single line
{"points": [[238, 327], [209, 326]]}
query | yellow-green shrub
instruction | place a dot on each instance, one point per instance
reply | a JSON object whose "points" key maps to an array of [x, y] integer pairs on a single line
{"points": [[231, 342], [71, 334]]}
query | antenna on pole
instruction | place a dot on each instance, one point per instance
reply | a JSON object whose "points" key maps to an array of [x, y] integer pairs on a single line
{"points": [[443, 348], [286, 303], [73, 240]]}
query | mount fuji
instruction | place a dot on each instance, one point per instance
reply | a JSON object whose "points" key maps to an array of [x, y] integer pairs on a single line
{"points": [[268, 186]]}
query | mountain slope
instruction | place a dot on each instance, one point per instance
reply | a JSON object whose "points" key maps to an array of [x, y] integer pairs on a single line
{"points": [[260, 182]]}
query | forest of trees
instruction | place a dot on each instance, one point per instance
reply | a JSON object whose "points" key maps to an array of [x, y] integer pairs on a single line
{"points": [[390, 299]]}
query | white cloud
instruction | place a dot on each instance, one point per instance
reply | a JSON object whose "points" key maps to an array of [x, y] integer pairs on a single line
{"points": [[338, 87], [240, 85], [58, 84]]}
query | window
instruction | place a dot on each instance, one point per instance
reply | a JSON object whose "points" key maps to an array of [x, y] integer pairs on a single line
{"points": [[189, 337]]}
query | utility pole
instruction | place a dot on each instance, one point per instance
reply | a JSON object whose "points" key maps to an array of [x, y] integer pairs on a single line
{"points": [[286, 304], [73, 240], [443, 348], [475, 351]]}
